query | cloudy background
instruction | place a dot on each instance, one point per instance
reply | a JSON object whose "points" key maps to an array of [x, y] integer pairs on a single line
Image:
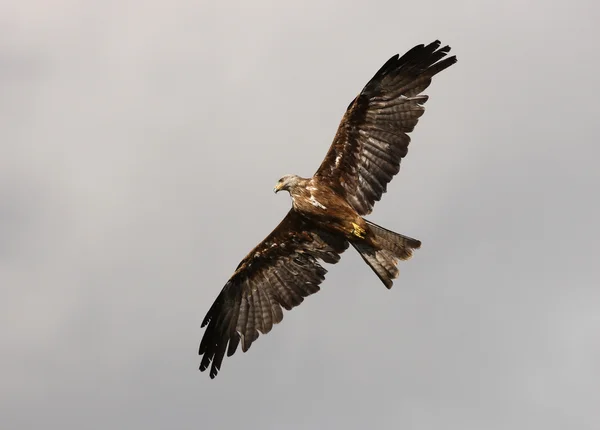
{"points": [[139, 143]]}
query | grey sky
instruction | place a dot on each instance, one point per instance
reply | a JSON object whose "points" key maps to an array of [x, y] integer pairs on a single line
{"points": [[139, 144]]}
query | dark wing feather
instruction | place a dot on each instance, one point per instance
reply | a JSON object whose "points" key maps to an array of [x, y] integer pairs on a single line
{"points": [[278, 273], [372, 137]]}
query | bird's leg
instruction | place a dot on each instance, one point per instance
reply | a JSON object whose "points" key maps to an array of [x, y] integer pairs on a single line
{"points": [[358, 231]]}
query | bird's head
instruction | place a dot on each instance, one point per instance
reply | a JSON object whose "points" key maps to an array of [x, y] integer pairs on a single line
{"points": [[286, 183]]}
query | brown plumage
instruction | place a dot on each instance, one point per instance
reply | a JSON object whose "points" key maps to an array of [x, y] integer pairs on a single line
{"points": [[327, 210]]}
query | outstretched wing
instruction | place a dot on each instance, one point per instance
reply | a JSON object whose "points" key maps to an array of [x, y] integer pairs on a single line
{"points": [[371, 138], [279, 272]]}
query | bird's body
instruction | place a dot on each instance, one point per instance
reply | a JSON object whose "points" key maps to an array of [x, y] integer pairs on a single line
{"points": [[316, 201], [328, 210]]}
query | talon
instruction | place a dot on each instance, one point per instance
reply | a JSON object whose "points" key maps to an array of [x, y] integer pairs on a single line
{"points": [[358, 231]]}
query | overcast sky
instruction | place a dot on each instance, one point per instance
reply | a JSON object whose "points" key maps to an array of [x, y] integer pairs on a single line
{"points": [[139, 144]]}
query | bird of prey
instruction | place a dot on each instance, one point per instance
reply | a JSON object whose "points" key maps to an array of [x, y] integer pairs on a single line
{"points": [[327, 210]]}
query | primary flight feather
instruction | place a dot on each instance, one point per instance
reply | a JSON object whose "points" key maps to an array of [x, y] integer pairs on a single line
{"points": [[327, 210]]}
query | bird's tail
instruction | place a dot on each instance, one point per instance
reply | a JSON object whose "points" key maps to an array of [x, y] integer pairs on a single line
{"points": [[386, 250]]}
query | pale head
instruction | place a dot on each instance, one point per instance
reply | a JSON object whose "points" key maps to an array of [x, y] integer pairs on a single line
{"points": [[287, 183]]}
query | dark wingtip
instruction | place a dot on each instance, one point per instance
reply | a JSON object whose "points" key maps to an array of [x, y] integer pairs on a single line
{"points": [[421, 56], [214, 370]]}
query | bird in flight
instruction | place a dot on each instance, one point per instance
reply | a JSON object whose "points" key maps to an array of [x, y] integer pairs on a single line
{"points": [[327, 210]]}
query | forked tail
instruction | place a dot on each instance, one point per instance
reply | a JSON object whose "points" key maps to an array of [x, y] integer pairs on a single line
{"points": [[383, 259]]}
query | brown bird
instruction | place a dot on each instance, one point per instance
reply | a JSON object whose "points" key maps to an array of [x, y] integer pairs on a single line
{"points": [[327, 210]]}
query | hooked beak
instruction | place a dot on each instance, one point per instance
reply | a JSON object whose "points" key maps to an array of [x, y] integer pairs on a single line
{"points": [[277, 187]]}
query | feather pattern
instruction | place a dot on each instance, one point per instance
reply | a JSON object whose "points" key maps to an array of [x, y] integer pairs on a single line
{"points": [[372, 137], [278, 273]]}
